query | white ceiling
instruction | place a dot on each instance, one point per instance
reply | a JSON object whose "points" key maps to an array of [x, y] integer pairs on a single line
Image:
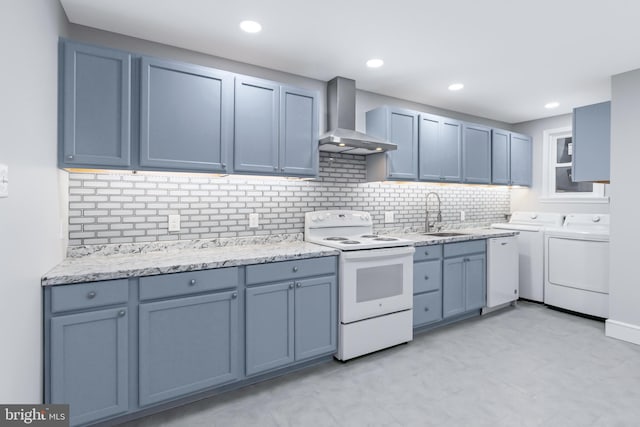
{"points": [[513, 56]]}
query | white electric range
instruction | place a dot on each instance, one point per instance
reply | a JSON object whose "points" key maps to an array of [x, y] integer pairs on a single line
{"points": [[375, 281]]}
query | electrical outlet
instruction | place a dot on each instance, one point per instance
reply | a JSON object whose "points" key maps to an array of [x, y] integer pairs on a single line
{"points": [[463, 216], [174, 223], [4, 181], [389, 217], [254, 220]]}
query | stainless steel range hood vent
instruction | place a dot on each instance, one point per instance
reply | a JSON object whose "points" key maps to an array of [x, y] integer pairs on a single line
{"points": [[342, 136]]}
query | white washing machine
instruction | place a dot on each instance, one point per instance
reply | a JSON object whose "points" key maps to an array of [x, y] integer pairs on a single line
{"points": [[577, 265], [531, 226]]}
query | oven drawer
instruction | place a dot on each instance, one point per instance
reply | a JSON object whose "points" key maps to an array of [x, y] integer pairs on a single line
{"points": [[427, 308], [463, 248], [89, 295], [424, 253], [286, 270], [427, 276]]}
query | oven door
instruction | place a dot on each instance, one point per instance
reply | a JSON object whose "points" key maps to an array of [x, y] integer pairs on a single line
{"points": [[375, 282]]}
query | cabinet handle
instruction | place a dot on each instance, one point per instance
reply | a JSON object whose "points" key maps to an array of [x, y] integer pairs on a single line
{"points": [[91, 295], [426, 253], [122, 313], [426, 309], [70, 157], [466, 260], [234, 295], [275, 168], [192, 282], [224, 166], [295, 269], [290, 285], [426, 277], [281, 169], [298, 284], [504, 243]]}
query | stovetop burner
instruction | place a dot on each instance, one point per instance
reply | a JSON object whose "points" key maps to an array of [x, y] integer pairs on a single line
{"points": [[386, 239], [350, 242], [369, 236], [337, 239]]}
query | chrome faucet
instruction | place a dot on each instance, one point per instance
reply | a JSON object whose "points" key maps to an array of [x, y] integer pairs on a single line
{"points": [[427, 226]]}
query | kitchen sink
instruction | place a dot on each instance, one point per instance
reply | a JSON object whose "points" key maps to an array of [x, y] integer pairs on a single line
{"points": [[444, 234]]}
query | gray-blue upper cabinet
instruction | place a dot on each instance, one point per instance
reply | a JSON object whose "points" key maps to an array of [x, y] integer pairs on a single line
{"points": [[440, 147], [276, 129], [476, 154], [510, 158], [95, 105], [400, 127], [591, 143], [186, 116], [187, 344]]}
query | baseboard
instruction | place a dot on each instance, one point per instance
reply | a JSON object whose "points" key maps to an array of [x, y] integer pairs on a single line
{"points": [[622, 331]]}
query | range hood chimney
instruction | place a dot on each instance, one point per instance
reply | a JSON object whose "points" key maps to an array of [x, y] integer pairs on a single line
{"points": [[342, 136]]}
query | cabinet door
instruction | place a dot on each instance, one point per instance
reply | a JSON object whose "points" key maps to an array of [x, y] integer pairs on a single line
{"points": [[256, 126], [403, 131], [500, 157], [269, 327], [187, 344], [89, 364], [451, 150], [453, 292], [475, 282], [316, 321], [186, 116], [429, 148], [476, 150], [96, 107], [520, 159], [298, 132], [591, 142]]}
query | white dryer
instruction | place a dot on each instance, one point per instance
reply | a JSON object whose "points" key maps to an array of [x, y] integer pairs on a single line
{"points": [[577, 265], [531, 226]]}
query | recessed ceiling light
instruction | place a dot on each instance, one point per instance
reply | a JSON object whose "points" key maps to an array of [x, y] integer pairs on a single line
{"points": [[456, 86], [551, 105], [375, 63], [250, 26]]}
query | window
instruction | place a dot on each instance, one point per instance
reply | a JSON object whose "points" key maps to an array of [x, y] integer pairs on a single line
{"points": [[557, 182]]}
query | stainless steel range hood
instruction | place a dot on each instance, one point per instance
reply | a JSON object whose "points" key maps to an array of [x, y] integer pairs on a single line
{"points": [[342, 136]]}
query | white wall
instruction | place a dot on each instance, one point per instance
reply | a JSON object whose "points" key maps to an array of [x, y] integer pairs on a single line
{"points": [[530, 199], [30, 217], [624, 281]]}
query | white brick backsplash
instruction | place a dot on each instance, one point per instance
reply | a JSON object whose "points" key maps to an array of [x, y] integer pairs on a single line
{"points": [[127, 208]]}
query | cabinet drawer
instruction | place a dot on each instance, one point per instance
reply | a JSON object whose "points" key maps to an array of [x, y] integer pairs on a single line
{"points": [[191, 282], [89, 295], [462, 248], [427, 276], [276, 271], [423, 253], [427, 308]]}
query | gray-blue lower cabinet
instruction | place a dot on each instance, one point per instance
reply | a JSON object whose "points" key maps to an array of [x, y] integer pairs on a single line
{"points": [[427, 285], [290, 321], [187, 344], [89, 363], [464, 278]]}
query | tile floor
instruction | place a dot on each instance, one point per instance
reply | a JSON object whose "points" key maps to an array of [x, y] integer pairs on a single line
{"points": [[522, 366]]}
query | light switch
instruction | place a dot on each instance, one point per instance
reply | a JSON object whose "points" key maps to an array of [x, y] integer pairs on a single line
{"points": [[4, 181], [174, 223], [389, 217]]}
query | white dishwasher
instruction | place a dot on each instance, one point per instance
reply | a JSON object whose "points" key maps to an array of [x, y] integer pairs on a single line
{"points": [[502, 271]]}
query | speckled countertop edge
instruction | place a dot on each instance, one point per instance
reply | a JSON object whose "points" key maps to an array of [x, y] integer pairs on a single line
{"points": [[94, 268], [117, 265]]}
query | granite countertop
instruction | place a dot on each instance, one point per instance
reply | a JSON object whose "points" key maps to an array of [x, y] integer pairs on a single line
{"points": [[420, 239], [91, 264], [97, 266]]}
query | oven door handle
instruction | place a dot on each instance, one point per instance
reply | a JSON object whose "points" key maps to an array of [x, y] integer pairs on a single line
{"points": [[377, 253]]}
